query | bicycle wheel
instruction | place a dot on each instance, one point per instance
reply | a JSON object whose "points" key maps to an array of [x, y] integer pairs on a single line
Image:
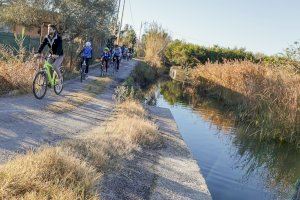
{"points": [[59, 84], [82, 71], [115, 66], [39, 87], [81, 74], [101, 69]]}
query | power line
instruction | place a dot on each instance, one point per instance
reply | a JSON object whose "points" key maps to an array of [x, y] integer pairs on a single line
{"points": [[117, 17], [131, 13], [118, 39]]}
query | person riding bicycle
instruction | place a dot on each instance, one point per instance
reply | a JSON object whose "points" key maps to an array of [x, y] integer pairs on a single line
{"points": [[105, 58], [125, 53], [86, 55], [117, 54], [54, 41]]}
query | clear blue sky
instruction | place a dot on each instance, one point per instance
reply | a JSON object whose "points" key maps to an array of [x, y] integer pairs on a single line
{"points": [[266, 26]]}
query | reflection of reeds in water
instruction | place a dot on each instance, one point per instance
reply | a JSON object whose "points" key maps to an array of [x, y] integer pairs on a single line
{"points": [[279, 162], [215, 118]]}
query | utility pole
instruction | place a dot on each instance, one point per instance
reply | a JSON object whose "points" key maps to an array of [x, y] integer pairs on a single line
{"points": [[120, 27], [116, 25], [140, 35]]}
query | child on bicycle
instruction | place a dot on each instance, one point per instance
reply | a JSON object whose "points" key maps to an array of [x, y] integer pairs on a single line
{"points": [[117, 54], [86, 55], [105, 58]]}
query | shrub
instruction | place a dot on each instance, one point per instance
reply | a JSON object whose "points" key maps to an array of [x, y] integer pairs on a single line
{"points": [[282, 63], [189, 55], [144, 74]]}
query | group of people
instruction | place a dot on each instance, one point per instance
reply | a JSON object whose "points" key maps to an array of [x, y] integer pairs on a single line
{"points": [[54, 41]]}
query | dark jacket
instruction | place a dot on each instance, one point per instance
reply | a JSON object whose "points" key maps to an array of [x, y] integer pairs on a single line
{"points": [[105, 55], [54, 43]]}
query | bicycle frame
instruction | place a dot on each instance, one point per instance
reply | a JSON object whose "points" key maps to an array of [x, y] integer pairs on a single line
{"points": [[51, 77]]}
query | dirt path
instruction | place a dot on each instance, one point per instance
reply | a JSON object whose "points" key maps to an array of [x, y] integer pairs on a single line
{"points": [[27, 123]]}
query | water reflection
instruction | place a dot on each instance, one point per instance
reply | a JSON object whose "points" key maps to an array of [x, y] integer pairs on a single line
{"points": [[277, 165]]}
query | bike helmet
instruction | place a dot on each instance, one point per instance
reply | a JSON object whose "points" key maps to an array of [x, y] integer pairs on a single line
{"points": [[106, 49], [88, 44]]}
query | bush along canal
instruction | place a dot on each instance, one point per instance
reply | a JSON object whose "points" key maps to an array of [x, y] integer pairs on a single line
{"points": [[235, 165]]}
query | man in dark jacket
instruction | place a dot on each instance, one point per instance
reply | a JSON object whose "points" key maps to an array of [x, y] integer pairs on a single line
{"points": [[54, 41]]}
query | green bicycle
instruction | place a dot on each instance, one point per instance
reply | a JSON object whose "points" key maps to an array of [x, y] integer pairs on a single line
{"points": [[46, 77]]}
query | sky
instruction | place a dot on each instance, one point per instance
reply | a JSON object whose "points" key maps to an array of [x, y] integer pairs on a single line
{"points": [[266, 26]]}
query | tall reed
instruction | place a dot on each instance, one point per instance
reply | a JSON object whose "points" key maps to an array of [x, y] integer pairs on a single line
{"points": [[262, 97]]}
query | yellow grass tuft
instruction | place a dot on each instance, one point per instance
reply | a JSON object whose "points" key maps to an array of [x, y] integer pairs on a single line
{"points": [[136, 129], [48, 174], [16, 75], [132, 108]]}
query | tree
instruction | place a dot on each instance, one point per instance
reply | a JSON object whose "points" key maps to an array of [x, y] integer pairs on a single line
{"points": [[182, 54], [155, 42], [31, 13], [128, 36], [75, 18], [293, 52]]}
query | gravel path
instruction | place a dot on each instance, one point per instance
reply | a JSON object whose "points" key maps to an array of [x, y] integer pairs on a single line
{"points": [[26, 124]]}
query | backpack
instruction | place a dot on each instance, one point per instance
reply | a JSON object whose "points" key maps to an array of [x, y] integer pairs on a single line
{"points": [[87, 52]]}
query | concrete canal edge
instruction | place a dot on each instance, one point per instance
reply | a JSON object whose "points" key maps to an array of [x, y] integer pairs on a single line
{"points": [[169, 172], [177, 174]]}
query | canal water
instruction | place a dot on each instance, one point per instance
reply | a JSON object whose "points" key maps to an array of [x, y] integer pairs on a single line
{"points": [[235, 166]]}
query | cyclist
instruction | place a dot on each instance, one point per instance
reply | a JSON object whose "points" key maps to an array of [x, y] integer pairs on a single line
{"points": [[54, 41], [86, 55], [105, 58], [125, 53], [117, 54], [130, 53]]}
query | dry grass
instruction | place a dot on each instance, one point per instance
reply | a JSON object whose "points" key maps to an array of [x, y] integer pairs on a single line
{"points": [[130, 129], [16, 75], [71, 170], [132, 108], [51, 173], [263, 97]]}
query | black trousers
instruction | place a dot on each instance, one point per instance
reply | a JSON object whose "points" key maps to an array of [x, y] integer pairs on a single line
{"points": [[87, 62], [117, 58]]}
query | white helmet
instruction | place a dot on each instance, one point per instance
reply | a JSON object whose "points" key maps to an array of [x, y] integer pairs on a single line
{"points": [[88, 44]]}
